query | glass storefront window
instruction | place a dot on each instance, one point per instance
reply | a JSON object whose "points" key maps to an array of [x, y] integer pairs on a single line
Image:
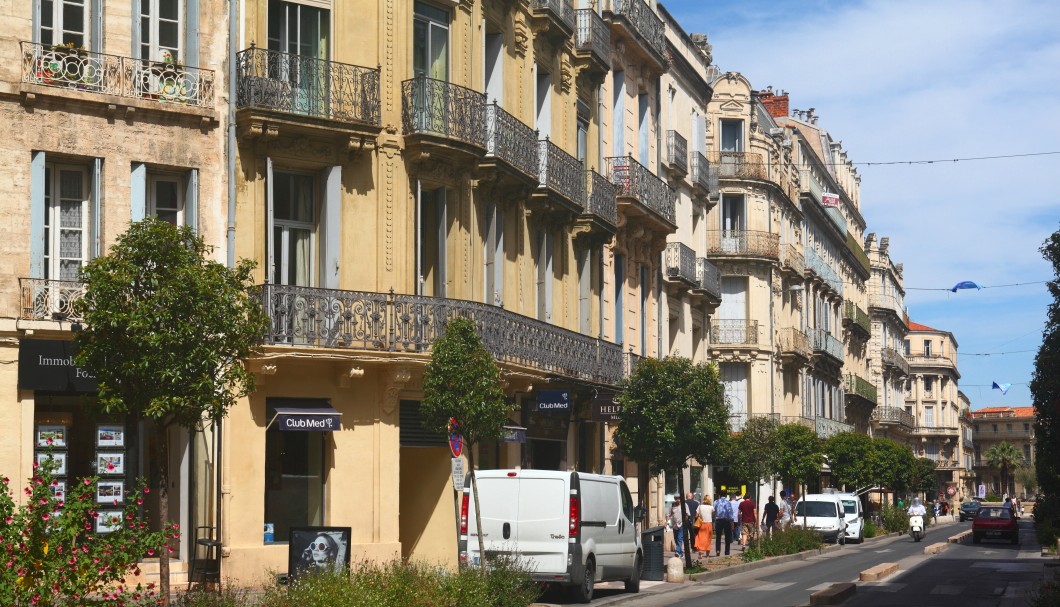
{"points": [[294, 473]]}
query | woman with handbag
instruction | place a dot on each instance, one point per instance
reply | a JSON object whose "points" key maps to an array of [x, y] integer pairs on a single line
{"points": [[704, 522]]}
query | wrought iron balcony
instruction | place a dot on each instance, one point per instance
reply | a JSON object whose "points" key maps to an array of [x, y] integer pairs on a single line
{"points": [[709, 277], [356, 320], [629, 362], [743, 243], [677, 153], [826, 427], [887, 303], [794, 346], [861, 387], [300, 84], [734, 332], [437, 108], [78, 69], [859, 253], [893, 415], [822, 270], [857, 319], [704, 180], [738, 165], [643, 26], [510, 141], [600, 201], [809, 185], [680, 262], [44, 299], [561, 174], [893, 358], [593, 38], [792, 259], [559, 12], [634, 181], [824, 343]]}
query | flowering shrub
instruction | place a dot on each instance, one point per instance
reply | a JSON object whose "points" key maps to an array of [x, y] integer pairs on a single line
{"points": [[51, 553]]}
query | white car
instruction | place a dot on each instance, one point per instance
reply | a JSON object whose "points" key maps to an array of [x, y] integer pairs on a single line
{"points": [[824, 513], [855, 517]]}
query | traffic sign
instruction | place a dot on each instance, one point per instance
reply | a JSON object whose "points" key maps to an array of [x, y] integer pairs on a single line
{"points": [[456, 441], [458, 473]]}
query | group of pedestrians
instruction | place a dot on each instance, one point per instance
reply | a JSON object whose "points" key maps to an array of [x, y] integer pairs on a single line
{"points": [[732, 517]]}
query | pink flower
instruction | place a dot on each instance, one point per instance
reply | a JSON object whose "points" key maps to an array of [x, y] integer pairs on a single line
{"points": [[45, 516], [87, 482], [147, 490]]}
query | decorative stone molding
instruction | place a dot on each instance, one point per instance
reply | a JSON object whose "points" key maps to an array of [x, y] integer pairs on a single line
{"points": [[258, 129], [395, 383], [347, 376], [304, 148]]}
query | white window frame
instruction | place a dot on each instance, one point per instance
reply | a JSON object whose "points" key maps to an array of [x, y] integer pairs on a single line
{"points": [[57, 30], [152, 20], [52, 220], [285, 225], [152, 194]]}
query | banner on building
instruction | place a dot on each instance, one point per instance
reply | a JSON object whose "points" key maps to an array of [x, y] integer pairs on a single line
{"points": [[605, 408], [552, 401], [830, 200]]}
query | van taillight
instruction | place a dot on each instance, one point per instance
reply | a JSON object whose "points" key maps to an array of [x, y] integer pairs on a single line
{"points": [[463, 515], [575, 516]]}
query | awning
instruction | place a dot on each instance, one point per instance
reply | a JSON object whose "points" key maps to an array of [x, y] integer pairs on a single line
{"points": [[514, 433], [296, 419]]}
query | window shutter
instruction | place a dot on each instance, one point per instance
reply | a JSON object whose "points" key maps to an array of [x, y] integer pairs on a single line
{"points": [[138, 192], [36, 25], [412, 433], [136, 34], [191, 200], [95, 203], [36, 217], [191, 33], [270, 263], [96, 35], [332, 221]]}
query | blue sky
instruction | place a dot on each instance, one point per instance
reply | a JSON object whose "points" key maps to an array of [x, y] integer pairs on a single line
{"points": [[901, 80]]}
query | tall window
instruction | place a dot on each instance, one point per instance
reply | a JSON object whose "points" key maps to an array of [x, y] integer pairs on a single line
{"points": [[643, 127], [618, 111], [732, 135], [294, 472], [929, 417], [543, 103], [927, 347], [434, 232], [906, 347], [493, 291], [64, 22], [734, 378], [66, 203], [585, 280], [298, 29], [620, 299], [430, 42], [294, 229], [165, 198], [544, 275], [929, 386], [160, 29]]}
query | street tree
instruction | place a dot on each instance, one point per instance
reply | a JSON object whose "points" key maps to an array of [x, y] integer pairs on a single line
{"points": [[1045, 394], [166, 332], [462, 395], [673, 410], [922, 477], [802, 455], [890, 465], [752, 452], [849, 454], [1026, 476], [1005, 457]]}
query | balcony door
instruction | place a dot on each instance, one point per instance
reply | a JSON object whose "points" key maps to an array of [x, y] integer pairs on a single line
{"points": [[430, 66], [732, 313], [731, 147], [293, 229], [733, 223], [66, 199], [734, 380], [302, 33]]}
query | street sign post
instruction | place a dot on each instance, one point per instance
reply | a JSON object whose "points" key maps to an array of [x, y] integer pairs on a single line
{"points": [[458, 473]]}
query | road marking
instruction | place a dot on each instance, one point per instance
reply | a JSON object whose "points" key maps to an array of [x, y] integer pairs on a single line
{"points": [[769, 587], [884, 550]]}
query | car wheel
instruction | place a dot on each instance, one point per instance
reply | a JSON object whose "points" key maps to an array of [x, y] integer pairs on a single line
{"points": [[861, 536], [633, 583], [583, 593]]}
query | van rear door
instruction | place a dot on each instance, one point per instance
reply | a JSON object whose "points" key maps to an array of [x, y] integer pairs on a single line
{"points": [[499, 499], [544, 517]]}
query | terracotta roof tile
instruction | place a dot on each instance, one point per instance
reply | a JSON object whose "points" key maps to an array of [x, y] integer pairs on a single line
{"points": [[915, 326]]}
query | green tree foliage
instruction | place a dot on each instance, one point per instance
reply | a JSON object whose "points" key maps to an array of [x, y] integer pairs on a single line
{"points": [[673, 410], [801, 454], [752, 452], [1045, 393], [922, 477], [849, 455], [1005, 457], [1026, 476], [166, 332], [462, 381], [891, 464]]}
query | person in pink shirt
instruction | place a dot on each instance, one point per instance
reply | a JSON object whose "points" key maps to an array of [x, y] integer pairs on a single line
{"points": [[749, 520]]}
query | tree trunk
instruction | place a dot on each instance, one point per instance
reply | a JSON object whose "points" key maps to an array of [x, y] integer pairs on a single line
{"points": [[160, 454], [684, 519], [478, 513]]}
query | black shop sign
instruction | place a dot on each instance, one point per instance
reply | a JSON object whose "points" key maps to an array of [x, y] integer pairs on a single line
{"points": [[48, 365]]}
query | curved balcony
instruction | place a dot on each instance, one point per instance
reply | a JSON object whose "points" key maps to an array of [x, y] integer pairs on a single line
{"points": [[819, 268], [892, 359], [738, 165], [889, 304], [390, 322], [640, 193], [442, 116], [792, 261], [743, 244], [893, 416], [734, 332], [708, 277], [679, 260], [511, 146], [633, 20], [931, 360], [943, 431], [856, 318], [561, 177], [823, 426]]}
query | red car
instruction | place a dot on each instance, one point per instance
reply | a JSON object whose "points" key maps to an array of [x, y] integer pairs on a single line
{"points": [[995, 522]]}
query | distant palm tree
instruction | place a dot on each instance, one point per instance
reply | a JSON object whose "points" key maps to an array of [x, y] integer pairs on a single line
{"points": [[1005, 457]]}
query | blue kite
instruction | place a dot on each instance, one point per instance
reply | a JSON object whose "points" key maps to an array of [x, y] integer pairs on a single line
{"points": [[965, 284], [1003, 387]]}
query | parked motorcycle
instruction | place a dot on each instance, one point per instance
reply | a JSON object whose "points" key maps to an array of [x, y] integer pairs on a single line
{"points": [[916, 527]]}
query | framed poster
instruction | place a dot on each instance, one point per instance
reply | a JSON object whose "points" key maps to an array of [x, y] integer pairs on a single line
{"points": [[108, 520], [318, 549], [110, 491], [51, 435], [59, 457], [110, 463], [58, 490], [110, 435]]}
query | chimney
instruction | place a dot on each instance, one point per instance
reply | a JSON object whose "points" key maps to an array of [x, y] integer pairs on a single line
{"points": [[775, 104]]}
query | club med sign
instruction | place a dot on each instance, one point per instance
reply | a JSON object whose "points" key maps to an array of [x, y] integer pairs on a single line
{"points": [[553, 401], [296, 419]]}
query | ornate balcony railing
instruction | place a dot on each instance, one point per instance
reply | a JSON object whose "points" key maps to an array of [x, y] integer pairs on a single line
{"points": [[858, 317], [300, 84], [893, 358], [677, 152], [795, 342], [822, 341], [888, 302], [709, 277], [816, 264], [861, 387], [561, 10], [893, 415], [593, 35], [680, 262], [859, 253], [560, 172], [743, 243], [629, 362], [634, 180], [600, 199], [738, 165], [645, 23], [791, 258], [78, 69], [436, 107], [808, 184], [703, 178], [330, 318], [734, 332], [508, 139], [830, 427], [935, 431], [44, 299]]}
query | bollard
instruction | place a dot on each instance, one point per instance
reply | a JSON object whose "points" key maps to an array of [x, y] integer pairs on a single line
{"points": [[675, 570]]}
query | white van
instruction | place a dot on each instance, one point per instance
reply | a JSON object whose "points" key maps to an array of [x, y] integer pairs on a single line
{"points": [[825, 513], [568, 528], [855, 516]]}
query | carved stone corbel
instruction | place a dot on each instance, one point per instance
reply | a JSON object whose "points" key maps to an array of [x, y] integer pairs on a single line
{"points": [[395, 383], [347, 376]]}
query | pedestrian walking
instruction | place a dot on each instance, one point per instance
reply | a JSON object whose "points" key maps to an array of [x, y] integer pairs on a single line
{"points": [[748, 520], [705, 533], [770, 514], [786, 510], [735, 500], [723, 523], [693, 507], [677, 523]]}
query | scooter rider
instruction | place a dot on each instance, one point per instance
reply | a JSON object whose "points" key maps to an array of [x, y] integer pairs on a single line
{"points": [[917, 508]]}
